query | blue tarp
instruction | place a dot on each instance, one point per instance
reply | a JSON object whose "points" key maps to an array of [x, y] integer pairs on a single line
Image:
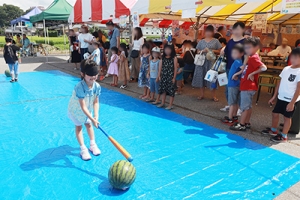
{"points": [[27, 16], [175, 157]]}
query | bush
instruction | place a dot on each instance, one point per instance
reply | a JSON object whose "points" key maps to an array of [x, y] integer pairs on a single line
{"points": [[43, 42], [53, 33]]}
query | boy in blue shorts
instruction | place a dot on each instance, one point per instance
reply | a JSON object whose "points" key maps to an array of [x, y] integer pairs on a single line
{"points": [[237, 54], [287, 94]]}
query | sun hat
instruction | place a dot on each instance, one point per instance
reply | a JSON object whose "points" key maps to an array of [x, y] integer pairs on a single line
{"points": [[156, 49]]}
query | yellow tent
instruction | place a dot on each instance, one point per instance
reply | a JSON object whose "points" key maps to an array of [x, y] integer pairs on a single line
{"points": [[213, 11]]}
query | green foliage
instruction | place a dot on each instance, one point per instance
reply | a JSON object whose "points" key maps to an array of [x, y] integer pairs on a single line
{"points": [[8, 13], [52, 33]]}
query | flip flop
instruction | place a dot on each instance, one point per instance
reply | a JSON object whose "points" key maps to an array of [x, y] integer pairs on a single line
{"points": [[160, 105], [155, 103], [169, 108], [200, 98], [215, 99]]}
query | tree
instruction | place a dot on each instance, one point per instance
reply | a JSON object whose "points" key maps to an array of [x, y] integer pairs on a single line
{"points": [[8, 13]]}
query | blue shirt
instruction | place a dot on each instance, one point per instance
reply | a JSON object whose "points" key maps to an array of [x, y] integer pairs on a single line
{"points": [[26, 43], [82, 91], [231, 43], [113, 37], [235, 67], [154, 68]]}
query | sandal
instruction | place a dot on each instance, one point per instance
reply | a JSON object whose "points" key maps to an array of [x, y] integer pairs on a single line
{"points": [[141, 96], [149, 100], [160, 105], [155, 103], [215, 99], [200, 98], [169, 108]]}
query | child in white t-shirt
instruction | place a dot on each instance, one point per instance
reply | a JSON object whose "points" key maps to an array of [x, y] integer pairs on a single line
{"points": [[287, 93], [95, 56]]}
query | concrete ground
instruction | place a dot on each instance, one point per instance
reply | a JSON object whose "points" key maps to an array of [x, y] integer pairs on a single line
{"points": [[187, 104]]}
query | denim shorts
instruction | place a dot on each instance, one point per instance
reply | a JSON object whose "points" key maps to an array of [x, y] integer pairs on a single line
{"points": [[233, 95], [154, 85], [246, 100]]}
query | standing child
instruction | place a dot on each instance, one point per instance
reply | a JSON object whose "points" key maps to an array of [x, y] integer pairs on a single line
{"points": [[11, 58], [103, 65], [249, 82], [233, 85], [123, 66], [153, 75], [113, 66], [179, 79], [287, 93], [95, 56], [167, 75], [83, 104], [143, 81]]}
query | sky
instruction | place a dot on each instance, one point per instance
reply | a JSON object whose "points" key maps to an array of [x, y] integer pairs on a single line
{"points": [[26, 4]]}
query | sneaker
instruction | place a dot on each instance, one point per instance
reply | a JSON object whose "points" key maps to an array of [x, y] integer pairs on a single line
{"points": [[248, 126], [235, 119], [278, 138], [225, 109], [227, 120], [123, 86], [269, 132], [85, 155], [238, 127], [95, 150], [239, 113], [16, 80], [12, 80]]}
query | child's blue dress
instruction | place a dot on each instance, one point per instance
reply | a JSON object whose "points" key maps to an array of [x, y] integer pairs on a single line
{"points": [[143, 80]]}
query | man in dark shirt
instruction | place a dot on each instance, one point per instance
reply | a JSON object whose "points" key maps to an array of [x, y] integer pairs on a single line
{"points": [[237, 38]]}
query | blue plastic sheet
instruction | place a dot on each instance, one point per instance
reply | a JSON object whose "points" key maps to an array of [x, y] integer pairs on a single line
{"points": [[175, 157]]}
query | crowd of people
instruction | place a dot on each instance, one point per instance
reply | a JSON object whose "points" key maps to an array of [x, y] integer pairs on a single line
{"points": [[162, 71]]}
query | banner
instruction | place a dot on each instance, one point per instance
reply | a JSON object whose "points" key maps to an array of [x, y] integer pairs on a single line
{"points": [[290, 6], [135, 20], [175, 28], [122, 21], [260, 22]]}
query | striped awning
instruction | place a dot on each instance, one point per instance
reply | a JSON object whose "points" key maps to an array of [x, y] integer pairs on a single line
{"points": [[97, 10], [219, 11]]}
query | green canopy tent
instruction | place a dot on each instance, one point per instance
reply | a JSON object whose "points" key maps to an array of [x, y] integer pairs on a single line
{"points": [[59, 10]]}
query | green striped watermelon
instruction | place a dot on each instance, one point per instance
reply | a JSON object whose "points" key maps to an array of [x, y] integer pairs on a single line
{"points": [[7, 73], [121, 174]]}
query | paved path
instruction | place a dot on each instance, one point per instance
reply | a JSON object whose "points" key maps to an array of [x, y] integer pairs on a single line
{"points": [[187, 104]]}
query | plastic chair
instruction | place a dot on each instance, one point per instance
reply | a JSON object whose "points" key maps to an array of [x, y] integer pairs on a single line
{"points": [[270, 84]]}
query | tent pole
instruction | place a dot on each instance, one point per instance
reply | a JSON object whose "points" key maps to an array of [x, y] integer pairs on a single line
{"points": [[48, 35], [44, 30]]}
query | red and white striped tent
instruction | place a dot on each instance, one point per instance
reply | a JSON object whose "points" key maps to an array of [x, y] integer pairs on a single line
{"points": [[98, 10]]}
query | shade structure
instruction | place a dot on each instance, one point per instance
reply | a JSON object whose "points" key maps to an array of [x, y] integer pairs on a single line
{"points": [[58, 10], [97, 10], [214, 11], [26, 17]]}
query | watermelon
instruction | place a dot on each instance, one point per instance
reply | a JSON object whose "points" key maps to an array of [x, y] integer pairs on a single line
{"points": [[7, 73], [121, 174]]}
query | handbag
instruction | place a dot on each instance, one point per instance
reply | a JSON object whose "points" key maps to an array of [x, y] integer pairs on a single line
{"points": [[211, 76], [199, 59], [134, 54], [220, 65], [222, 79], [211, 56]]}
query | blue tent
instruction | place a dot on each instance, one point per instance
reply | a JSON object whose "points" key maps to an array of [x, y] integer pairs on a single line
{"points": [[26, 17]]}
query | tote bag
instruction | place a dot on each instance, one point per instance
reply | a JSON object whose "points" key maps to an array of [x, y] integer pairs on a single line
{"points": [[222, 79], [211, 76], [199, 59], [220, 65]]}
